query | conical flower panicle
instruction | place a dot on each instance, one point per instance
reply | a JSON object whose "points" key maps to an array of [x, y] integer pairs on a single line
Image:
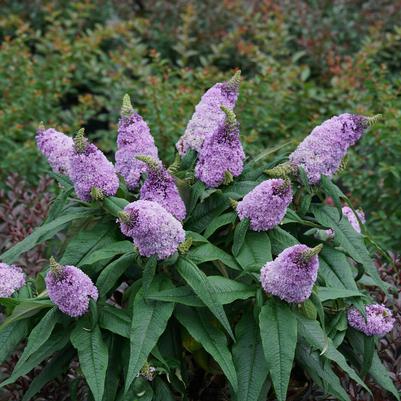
{"points": [[265, 206], [12, 279], [322, 151], [93, 176], [160, 187], [153, 229], [222, 156], [350, 216], [292, 274], [379, 320], [56, 147], [134, 138], [70, 289], [208, 114]]}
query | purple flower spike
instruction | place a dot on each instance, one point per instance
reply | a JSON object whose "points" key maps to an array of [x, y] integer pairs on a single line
{"points": [[153, 229], [323, 150], [222, 156], [11, 279], [208, 115], [265, 206], [93, 176], [134, 138], [349, 214], [160, 187], [379, 320], [70, 289], [292, 274], [56, 147]]}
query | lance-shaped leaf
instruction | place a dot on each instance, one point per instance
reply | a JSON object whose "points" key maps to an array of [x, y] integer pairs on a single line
{"points": [[278, 329]]}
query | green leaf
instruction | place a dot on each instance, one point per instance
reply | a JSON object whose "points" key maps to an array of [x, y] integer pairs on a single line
{"points": [[11, 336], [109, 252], [162, 391], [368, 352], [227, 291], [239, 235], [332, 190], [91, 237], [209, 252], [25, 309], [314, 335], [112, 272], [280, 240], [93, 356], [148, 274], [320, 371], [58, 204], [249, 359], [378, 372], [198, 281], [278, 329], [114, 369], [326, 293], [57, 341], [53, 369], [117, 321], [198, 323], [148, 323], [348, 239], [39, 335], [239, 189], [220, 221], [114, 205], [255, 251], [43, 233], [204, 213]]}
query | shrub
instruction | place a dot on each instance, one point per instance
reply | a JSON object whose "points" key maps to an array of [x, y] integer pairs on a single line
{"points": [[147, 310]]}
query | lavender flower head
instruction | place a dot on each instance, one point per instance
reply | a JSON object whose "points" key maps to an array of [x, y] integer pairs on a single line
{"points": [[56, 147], [292, 274], [153, 229], [323, 150], [11, 279], [349, 214], [266, 205], [70, 289], [208, 115], [221, 157], [379, 320], [134, 138], [160, 187], [93, 176]]}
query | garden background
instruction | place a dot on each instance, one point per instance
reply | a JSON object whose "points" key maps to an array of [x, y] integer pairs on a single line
{"points": [[69, 63]]}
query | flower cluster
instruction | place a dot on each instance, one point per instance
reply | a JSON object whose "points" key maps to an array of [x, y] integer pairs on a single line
{"points": [[153, 229], [221, 157], [70, 289], [266, 205], [56, 147], [134, 138], [11, 279], [378, 321], [349, 214], [322, 151], [160, 187], [92, 174], [208, 115], [292, 274]]}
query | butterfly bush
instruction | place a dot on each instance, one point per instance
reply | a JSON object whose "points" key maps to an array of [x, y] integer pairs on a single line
{"points": [[160, 187], [378, 321], [292, 274], [134, 138], [153, 229], [56, 147], [202, 253], [208, 114], [265, 206], [70, 289], [322, 152], [221, 157], [12, 279], [93, 176]]}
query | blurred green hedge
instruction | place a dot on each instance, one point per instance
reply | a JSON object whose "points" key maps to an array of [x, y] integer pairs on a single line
{"points": [[68, 63]]}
